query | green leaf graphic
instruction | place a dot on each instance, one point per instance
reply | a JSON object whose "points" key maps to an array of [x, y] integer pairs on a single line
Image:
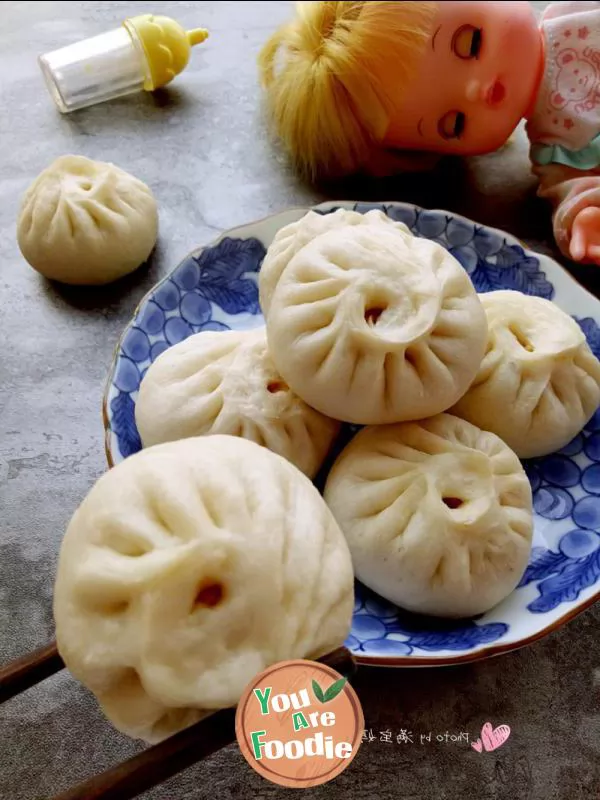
{"points": [[318, 692], [335, 689]]}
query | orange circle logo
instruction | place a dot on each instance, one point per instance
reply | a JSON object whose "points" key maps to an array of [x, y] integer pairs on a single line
{"points": [[299, 723]]}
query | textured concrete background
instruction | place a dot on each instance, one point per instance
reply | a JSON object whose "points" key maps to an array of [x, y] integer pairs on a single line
{"points": [[203, 149]]}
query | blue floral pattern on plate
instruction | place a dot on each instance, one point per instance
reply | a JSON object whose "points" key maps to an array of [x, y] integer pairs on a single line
{"points": [[215, 288]]}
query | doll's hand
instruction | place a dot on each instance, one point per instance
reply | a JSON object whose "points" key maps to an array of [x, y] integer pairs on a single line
{"points": [[585, 236]]}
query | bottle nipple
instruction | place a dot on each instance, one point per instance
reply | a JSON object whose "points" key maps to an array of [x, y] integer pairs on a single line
{"points": [[166, 46], [197, 36]]}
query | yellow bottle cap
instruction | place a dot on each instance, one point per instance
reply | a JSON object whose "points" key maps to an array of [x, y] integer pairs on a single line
{"points": [[166, 45]]}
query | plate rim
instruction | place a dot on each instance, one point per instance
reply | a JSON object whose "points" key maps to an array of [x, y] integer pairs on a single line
{"points": [[482, 653], [477, 655]]}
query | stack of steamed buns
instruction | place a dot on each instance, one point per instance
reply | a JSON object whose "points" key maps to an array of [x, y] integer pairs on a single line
{"points": [[197, 562]]}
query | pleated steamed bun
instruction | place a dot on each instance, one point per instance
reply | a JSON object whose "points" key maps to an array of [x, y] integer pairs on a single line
{"points": [[293, 237], [86, 222], [189, 568], [370, 325], [226, 383], [437, 514], [539, 382]]}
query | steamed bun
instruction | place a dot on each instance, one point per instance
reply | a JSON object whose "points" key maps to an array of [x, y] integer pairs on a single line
{"points": [[189, 568], [437, 514], [369, 325], [86, 222], [539, 382], [226, 383], [292, 238]]}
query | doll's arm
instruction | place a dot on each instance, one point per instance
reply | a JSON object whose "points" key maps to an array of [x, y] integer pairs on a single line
{"points": [[562, 9], [575, 196]]}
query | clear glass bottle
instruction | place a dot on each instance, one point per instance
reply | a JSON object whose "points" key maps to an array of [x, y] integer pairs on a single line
{"points": [[144, 53]]}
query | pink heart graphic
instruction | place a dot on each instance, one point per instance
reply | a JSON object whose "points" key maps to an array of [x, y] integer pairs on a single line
{"points": [[493, 738], [477, 745]]}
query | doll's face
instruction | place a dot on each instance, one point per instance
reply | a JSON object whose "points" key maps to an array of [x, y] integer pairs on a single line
{"points": [[476, 81]]}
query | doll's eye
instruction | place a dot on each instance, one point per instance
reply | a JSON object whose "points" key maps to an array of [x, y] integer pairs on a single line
{"points": [[452, 125], [466, 42]]}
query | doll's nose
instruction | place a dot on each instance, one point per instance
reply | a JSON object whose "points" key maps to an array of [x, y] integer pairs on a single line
{"points": [[490, 92]]}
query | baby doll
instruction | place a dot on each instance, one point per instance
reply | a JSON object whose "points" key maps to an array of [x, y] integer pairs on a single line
{"points": [[352, 86]]}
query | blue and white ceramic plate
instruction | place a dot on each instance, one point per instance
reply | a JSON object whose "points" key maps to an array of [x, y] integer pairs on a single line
{"points": [[215, 288]]}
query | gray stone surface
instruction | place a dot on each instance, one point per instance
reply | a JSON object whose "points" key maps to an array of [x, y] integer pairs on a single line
{"points": [[203, 148]]}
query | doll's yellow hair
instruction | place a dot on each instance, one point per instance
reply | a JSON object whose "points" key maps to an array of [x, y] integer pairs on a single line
{"points": [[322, 73]]}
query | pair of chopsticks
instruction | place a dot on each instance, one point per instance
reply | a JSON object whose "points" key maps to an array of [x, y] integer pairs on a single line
{"points": [[157, 763]]}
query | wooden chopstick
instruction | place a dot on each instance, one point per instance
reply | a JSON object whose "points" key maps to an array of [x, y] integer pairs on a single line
{"points": [[155, 764], [25, 672], [160, 762]]}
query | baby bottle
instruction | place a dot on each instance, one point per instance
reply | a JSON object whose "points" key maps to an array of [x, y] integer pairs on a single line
{"points": [[145, 52]]}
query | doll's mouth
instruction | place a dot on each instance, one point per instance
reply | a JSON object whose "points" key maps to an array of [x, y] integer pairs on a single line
{"points": [[496, 93]]}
